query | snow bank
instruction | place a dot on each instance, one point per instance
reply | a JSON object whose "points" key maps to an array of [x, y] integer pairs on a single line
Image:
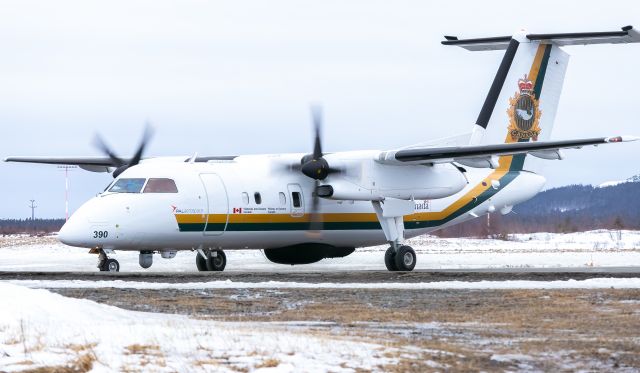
{"points": [[593, 283], [39, 328]]}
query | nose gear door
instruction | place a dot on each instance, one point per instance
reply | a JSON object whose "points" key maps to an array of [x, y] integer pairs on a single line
{"points": [[217, 205]]}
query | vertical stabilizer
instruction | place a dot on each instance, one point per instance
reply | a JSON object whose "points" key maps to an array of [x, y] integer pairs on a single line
{"points": [[523, 99], [522, 102]]}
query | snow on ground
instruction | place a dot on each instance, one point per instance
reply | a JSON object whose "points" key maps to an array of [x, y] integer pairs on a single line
{"points": [[40, 328], [539, 250], [592, 283]]}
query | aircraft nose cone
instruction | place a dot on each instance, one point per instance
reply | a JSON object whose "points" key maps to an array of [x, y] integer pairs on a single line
{"points": [[70, 234]]}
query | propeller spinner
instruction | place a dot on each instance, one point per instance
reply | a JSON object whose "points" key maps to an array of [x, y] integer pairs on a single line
{"points": [[316, 167]]}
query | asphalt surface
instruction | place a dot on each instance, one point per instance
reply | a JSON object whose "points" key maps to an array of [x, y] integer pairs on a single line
{"points": [[537, 274]]}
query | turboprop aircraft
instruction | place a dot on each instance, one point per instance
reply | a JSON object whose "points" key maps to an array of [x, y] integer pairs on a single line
{"points": [[302, 208]]}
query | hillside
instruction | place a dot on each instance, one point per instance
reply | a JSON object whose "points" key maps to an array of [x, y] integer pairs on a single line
{"points": [[572, 208]]}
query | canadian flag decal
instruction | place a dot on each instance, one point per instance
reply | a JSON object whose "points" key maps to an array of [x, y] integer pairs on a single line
{"points": [[237, 210]]}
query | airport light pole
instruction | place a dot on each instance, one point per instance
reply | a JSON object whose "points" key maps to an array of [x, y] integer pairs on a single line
{"points": [[33, 207], [66, 169]]}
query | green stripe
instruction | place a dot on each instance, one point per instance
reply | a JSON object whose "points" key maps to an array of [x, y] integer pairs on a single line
{"points": [[339, 226], [537, 89], [517, 163]]}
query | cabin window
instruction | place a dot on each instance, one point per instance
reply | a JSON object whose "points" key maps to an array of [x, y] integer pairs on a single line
{"points": [[257, 197], [160, 186], [127, 186], [283, 198], [295, 197], [245, 198]]}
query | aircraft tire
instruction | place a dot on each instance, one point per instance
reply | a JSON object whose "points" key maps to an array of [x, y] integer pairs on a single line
{"points": [[201, 263], [389, 259], [111, 265], [405, 259], [217, 263]]}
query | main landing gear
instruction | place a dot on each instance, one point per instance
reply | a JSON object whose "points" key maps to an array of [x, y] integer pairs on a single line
{"points": [[210, 260], [401, 259], [390, 214], [106, 264]]}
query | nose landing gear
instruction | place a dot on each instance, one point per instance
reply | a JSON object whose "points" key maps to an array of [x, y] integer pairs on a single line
{"points": [[210, 260], [106, 264]]}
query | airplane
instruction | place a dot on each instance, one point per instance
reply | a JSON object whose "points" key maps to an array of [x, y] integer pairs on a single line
{"points": [[302, 208]]}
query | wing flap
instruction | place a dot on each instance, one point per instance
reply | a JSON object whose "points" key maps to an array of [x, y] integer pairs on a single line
{"points": [[485, 152]]}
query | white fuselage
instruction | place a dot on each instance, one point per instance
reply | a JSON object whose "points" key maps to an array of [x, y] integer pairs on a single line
{"points": [[251, 203]]}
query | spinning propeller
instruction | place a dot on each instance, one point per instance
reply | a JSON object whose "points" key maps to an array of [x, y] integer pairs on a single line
{"points": [[316, 167], [121, 164]]}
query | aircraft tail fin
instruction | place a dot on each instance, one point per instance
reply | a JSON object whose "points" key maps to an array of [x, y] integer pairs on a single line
{"points": [[523, 99]]}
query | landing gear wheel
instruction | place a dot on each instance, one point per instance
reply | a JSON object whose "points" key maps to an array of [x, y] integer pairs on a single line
{"points": [[390, 259], [201, 263], [111, 265], [105, 264], [216, 261], [405, 259]]}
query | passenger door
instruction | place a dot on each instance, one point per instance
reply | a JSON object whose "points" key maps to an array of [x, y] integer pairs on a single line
{"points": [[296, 200], [217, 206]]}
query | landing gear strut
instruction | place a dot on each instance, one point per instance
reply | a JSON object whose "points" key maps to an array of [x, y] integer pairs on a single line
{"points": [[210, 260], [106, 264], [390, 213]]}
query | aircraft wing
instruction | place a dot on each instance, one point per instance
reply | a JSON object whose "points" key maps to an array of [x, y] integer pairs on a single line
{"points": [[104, 164], [94, 164], [464, 154]]}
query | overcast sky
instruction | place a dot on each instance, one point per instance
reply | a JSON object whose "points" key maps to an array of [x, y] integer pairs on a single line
{"points": [[237, 77]]}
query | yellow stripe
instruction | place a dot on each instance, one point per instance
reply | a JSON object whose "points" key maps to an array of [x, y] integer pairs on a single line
{"points": [[191, 218], [505, 160], [274, 218], [537, 62]]}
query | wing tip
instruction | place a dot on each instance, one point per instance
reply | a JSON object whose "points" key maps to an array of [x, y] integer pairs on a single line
{"points": [[622, 139]]}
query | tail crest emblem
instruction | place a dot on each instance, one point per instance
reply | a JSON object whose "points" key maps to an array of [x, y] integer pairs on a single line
{"points": [[524, 114]]}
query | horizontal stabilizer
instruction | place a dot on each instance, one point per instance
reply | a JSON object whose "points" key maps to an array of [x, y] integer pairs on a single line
{"points": [[627, 35]]}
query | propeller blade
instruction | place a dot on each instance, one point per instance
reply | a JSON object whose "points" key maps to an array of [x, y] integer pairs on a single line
{"points": [[100, 144], [316, 114], [315, 217], [120, 164], [146, 136]]}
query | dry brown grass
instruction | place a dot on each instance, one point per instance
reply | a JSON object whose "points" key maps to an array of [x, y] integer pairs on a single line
{"points": [[590, 329], [81, 364], [268, 363], [138, 349], [146, 354]]}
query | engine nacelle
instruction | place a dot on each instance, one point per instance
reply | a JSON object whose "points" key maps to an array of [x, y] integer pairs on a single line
{"points": [[399, 182], [306, 253]]}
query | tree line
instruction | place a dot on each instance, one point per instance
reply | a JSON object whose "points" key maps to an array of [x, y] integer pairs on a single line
{"points": [[36, 226], [573, 208]]}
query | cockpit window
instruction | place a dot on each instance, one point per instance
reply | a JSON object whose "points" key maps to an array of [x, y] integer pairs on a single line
{"points": [[127, 186], [160, 186]]}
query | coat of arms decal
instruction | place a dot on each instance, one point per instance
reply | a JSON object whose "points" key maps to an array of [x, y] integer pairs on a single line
{"points": [[524, 115]]}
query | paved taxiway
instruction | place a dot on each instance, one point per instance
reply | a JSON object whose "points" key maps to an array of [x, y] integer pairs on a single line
{"points": [[356, 276]]}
